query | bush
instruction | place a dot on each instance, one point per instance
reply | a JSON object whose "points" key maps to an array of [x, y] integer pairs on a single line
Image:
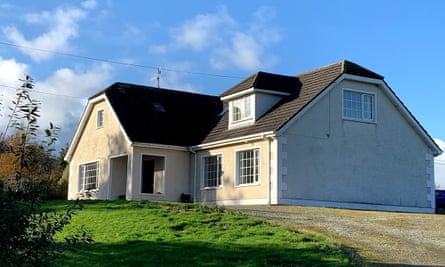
{"points": [[27, 233]]}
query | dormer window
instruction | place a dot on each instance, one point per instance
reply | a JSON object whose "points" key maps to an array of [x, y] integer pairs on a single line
{"points": [[249, 100], [241, 111]]}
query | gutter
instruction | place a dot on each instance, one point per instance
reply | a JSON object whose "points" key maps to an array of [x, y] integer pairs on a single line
{"points": [[236, 140]]}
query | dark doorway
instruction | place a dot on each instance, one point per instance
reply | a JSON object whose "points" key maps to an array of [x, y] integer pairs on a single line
{"points": [[148, 168]]}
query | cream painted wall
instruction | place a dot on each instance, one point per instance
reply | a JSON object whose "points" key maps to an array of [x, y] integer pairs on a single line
{"points": [[230, 193], [324, 157], [97, 144], [176, 179]]}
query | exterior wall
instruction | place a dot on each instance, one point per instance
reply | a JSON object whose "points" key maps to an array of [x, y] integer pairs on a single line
{"points": [[97, 144], [439, 171], [328, 160], [264, 102], [118, 177], [176, 179], [230, 193]]}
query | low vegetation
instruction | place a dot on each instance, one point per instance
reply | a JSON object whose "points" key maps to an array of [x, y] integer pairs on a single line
{"points": [[147, 233], [29, 175]]}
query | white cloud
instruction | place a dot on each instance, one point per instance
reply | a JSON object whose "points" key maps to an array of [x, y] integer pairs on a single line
{"points": [[89, 4], [244, 53], [54, 93], [63, 111], [173, 79], [158, 49], [440, 143], [202, 31], [228, 42], [62, 26], [6, 6], [10, 73]]}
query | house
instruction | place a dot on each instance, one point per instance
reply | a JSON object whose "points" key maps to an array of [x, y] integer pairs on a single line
{"points": [[439, 167], [335, 136]]}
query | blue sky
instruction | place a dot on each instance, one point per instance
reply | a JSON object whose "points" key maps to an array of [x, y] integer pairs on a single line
{"points": [[73, 49]]}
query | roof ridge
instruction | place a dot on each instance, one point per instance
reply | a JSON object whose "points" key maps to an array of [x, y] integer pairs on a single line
{"points": [[321, 68], [148, 87]]}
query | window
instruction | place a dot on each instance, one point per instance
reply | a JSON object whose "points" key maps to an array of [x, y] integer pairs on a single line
{"points": [[152, 177], [241, 109], [158, 107], [88, 174], [248, 166], [358, 105], [212, 171], [100, 119]]}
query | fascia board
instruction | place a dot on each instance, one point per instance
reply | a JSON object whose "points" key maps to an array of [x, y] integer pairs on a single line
{"points": [[232, 141], [159, 146], [253, 90], [84, 118]]}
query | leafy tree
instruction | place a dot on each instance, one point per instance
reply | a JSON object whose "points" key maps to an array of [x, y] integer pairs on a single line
{"points": [[27, 232]]}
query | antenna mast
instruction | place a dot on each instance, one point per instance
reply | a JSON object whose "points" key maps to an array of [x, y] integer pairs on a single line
{"points": [[158, 77]]}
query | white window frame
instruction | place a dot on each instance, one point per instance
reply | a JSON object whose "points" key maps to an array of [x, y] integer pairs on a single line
{"points": [[100, 118], [247, 103], [256, 167], [219, 171], [81, 176], [362, 94]]}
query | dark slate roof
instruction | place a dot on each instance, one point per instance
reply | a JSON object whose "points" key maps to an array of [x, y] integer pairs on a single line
{"points": [[162, 116], [268, 81], [309, 85]]}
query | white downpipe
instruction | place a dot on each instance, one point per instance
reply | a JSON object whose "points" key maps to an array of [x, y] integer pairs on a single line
{"points": [[269, 173], [194, 174]]}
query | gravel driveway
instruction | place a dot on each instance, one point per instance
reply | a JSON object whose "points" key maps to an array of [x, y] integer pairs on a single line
{"points": [[379, 238]]}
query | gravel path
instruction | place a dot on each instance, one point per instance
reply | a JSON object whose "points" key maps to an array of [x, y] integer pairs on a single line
{"points": [[380, 238]]}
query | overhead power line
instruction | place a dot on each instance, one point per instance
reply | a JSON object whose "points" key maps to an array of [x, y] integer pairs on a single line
{"points": [[40, 92], [118, 62]]}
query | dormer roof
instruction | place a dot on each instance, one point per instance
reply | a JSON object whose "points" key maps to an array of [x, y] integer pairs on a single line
{"points": [[303, 87], [278, 83]]}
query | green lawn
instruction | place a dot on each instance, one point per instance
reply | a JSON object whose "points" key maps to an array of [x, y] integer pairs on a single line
{"points": [[144, 233]]}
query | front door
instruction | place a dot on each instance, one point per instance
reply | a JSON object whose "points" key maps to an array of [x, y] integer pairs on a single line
{"points": [[148, 167]]}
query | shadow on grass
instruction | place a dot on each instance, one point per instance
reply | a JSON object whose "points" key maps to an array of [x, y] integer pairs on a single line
{"points": [[396, 265], [160, 253]]}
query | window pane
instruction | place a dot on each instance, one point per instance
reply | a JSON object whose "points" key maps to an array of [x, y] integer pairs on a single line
{"points": [[241, 108], [212, 171], [246, 107], [352, 106], [358, 105], [248, 166], [100, 119], [88, 176], [367, 107]]}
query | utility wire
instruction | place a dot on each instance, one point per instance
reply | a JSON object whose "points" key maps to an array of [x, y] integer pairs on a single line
{"points": [[45, 93], [119, 62]]}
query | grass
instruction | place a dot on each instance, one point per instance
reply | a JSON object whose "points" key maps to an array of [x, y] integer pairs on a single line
{"points": [[144, 233]]}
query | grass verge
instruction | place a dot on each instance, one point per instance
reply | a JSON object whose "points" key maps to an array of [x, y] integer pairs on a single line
{"points": [[144, 233]]}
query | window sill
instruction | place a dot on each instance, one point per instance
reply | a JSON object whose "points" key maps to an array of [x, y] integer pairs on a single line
{"points": [[360, 120], [152, 194], [211, 188], [89, 191], [247, 185]]}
